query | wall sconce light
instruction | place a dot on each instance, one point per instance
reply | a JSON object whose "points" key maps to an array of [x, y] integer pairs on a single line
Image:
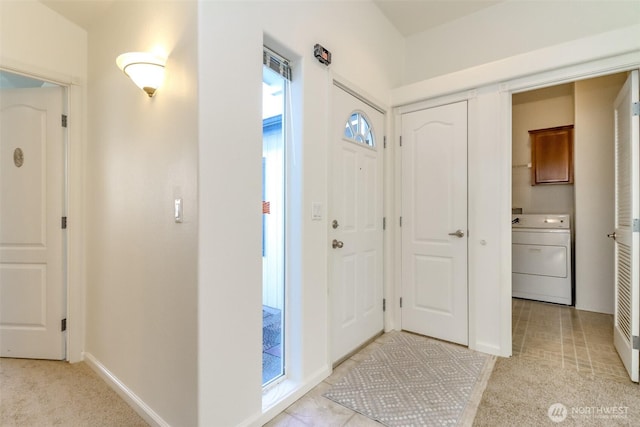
{"points": [[145, 69]]}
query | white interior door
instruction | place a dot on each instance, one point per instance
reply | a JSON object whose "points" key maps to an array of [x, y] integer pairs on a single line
{"points": [[355, 223], [434, 222], [32, 292], [627, 216]]}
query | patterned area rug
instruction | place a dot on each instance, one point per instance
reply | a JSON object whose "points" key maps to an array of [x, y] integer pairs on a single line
{"points": [[413, 381]]}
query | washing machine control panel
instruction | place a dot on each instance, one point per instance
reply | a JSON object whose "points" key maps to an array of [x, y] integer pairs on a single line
{"points": [[562, 221]]}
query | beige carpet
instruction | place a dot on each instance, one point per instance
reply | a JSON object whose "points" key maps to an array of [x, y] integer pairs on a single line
{"points": [[48, 393], [520, 393]]}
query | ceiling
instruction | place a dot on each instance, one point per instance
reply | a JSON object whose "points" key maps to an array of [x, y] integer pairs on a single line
{"points": [[81, 12], [408, 16], [415, 16]]}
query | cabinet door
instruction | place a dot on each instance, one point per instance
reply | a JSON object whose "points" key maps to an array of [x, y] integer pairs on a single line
{"points": [[552, 155]]}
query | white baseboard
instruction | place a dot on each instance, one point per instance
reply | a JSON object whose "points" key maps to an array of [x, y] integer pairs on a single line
{"points": [[138, 405]]}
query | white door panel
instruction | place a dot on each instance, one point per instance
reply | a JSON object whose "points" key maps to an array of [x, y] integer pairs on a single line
{"points": [[434, 205], [31, 239], [627, 211], [429, 294], [356, 206]]}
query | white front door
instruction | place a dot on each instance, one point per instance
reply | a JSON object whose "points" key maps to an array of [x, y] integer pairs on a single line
{"points": [[355, 223], [627, 215], [434, 222], [32, 185]]}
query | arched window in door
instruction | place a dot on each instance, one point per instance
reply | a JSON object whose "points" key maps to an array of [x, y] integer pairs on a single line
{"points": [[358, 129]]}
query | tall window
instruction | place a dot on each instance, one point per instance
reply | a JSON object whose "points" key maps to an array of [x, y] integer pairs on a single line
{"points": [[275, 76]]}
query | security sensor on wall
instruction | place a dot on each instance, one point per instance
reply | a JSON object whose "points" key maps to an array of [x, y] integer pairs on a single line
{"points": [[323, 55]]}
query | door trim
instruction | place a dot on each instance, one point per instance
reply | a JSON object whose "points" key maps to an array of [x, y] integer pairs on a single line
{"points": [[358, 96]]}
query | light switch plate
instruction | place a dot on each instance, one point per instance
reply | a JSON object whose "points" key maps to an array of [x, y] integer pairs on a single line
{"points": [[316, 211], [177, 212]]}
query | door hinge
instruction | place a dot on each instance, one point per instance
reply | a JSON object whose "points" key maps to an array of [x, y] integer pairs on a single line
{"points": [[64, 223], [636, 225], [384, 222], [64, 121], [384, 141], [400, 302], [636, 342], [635, 109], [400, 140], [384, 304], [400, 221], [63, 325]]}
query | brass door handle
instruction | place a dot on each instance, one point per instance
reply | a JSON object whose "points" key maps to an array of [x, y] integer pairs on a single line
{"points": [[337, 244]]}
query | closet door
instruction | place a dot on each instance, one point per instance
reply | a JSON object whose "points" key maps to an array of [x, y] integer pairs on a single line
{"points": [[626, 235], [434, 222]]}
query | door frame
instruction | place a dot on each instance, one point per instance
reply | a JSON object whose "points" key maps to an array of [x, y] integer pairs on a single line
{"points": [[74, 282], [582, 71], [357, 92]]}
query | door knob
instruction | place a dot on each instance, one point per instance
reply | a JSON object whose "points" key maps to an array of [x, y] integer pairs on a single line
{"points": [[612, 235], [337, 244], [457, 233]]}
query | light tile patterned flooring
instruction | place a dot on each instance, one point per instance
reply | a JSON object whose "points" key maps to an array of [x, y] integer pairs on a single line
{"points": [[564, 337], [550, 334]]}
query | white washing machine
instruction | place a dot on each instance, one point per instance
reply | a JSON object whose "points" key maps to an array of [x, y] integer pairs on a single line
{"points": [[541, 257]]}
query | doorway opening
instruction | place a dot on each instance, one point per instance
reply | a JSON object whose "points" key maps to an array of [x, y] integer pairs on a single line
{"points": [[588, 106], [274, 86], [589, 199]]}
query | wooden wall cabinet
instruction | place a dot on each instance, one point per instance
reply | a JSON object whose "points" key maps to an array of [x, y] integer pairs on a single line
{"points": [[552, 155]]}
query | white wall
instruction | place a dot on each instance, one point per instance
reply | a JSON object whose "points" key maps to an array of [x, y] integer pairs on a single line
{"points": [[230, 69], [540, 109], [141, 154], [141, 267], [510, 28], [39, 41], [594, 191], [52, 48]]}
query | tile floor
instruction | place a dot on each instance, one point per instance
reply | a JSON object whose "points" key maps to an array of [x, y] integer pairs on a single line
{"points": [[551, 334], [564, 337]]}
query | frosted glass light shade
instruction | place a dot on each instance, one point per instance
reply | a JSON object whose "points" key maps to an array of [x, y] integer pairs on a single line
{"points": [[145, 69]]}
